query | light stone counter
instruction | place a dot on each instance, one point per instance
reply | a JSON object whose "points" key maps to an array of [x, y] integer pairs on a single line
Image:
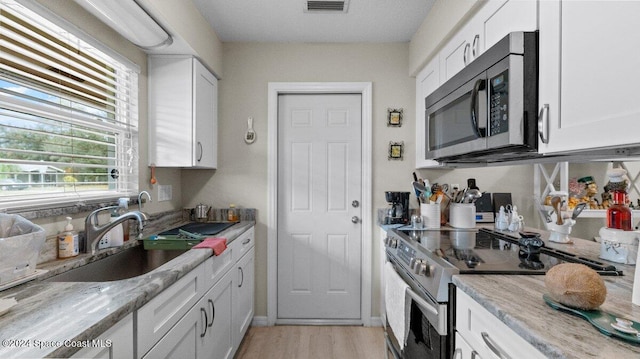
{"points": [[517, 301], [52, 313]]}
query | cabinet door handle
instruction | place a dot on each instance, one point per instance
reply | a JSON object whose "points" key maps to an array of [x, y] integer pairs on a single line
{"points": [[206, 320], [474, 355], [494, 347], [246, 241], [199, 156], [241, 277], [213, 312], [464, 54], [543, 123], [476, 42], [457, 353]]}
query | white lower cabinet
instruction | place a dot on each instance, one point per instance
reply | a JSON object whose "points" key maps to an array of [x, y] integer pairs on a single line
{"points": [[173, 325], [216, 339], [485, 336], [463, 350], [243, 296], [116, 342]]}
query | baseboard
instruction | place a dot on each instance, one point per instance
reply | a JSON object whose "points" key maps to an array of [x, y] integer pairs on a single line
{"points": [[262, 321], [259, 322]]}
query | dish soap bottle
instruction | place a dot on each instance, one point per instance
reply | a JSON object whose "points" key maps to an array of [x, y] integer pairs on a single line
{"points": [[68, 245], [618, 214]]}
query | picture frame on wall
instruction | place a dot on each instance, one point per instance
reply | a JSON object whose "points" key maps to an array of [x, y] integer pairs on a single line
{"points": [[394, 117], [396, 150]]}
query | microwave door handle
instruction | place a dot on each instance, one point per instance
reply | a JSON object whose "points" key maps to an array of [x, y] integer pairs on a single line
{"points": [[477, 87]]}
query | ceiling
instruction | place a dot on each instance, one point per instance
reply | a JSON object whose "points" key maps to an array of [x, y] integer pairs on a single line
{"points": [[286, 20]]}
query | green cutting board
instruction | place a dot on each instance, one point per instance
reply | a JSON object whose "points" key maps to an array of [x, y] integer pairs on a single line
{"points": [[600, 319]]}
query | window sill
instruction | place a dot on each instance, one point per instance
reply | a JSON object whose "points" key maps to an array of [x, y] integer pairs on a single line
{"points": [[38, 211]]}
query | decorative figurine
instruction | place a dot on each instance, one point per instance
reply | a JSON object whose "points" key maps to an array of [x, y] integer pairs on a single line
{"points": [[591, 189]]}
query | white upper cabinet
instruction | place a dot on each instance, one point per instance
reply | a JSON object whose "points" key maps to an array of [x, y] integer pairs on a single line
{"points": [[426, 82], [490, 24], [183, 113], [589, 66]]}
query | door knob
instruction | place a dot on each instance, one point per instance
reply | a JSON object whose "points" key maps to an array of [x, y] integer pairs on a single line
{"points": [[355, 219], [355, 204]]}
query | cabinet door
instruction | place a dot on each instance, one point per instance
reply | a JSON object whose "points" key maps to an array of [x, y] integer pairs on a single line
{"points": [[589, 61], [116, 342], [217, 341], [427, 81], [243, 296], [498, 18], [456, 54], [205, 151], [181, 341], [157, 317], [462, 349]]}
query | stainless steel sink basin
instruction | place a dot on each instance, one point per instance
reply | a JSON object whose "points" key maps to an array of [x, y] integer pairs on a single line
{"points": [[129, 263]]}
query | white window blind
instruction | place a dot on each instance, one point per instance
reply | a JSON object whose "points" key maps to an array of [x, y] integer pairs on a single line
{"points": [[68, 114]]}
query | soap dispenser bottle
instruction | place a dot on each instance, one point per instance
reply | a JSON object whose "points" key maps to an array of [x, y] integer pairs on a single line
{"points": [[68, 245]]}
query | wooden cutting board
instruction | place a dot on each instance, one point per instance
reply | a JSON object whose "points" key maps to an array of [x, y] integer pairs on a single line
{"points": [[602, 320]]}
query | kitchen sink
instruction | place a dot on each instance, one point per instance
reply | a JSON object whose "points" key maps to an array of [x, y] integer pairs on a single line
{"points": [[129, 263]]}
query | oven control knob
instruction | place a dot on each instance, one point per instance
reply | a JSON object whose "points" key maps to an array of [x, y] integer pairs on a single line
{"points": [[412, 262], [391, 242], [386, 241]]}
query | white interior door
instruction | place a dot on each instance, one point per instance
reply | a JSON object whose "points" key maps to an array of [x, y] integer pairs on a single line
{"points": [[319, 190]]}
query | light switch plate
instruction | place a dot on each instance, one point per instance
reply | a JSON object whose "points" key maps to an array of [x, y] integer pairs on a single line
{"points": [[165, 192]]}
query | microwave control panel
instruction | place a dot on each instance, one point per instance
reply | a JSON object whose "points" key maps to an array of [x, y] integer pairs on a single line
{"points": [[498, 104]]}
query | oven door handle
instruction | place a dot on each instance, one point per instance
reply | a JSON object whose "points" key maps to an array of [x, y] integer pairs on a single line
{"points": [[480, 85], [421, 302]]}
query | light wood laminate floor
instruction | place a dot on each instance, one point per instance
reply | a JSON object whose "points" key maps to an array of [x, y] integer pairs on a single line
{"points": [[308, 342]]}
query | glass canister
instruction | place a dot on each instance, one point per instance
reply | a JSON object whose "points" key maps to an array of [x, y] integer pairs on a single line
{"points": [[619, 213]]}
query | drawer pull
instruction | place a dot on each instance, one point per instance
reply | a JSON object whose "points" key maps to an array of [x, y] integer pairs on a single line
{"points": [[246, 241], [206, 320], [457, 353], [494, 347], [213, 313], [241, 277], [474, 355]]}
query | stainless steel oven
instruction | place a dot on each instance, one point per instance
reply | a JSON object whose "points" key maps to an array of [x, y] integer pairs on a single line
{"points": [[427, 322], [489, 108]]}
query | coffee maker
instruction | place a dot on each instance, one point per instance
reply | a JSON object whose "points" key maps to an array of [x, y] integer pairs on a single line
{"points": [[398, 211]]}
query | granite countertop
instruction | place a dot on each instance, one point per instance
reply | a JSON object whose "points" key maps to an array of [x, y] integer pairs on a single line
{"points": [[517, 301], [41, 321]]}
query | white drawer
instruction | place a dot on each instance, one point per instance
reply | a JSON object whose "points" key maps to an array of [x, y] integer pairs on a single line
{"points": [[481, 329], [216, 266], [243, 243], [161, 313]]}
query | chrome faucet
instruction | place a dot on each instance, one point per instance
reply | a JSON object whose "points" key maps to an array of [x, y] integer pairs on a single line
{"points": [[95, 232], [140, 199]]}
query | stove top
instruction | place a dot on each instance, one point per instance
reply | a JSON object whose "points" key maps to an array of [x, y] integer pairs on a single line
{"points": [[485, 251]]}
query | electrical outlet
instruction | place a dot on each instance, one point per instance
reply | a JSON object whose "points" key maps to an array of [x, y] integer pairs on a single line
{"points": [[104, 242], [165, 192]]}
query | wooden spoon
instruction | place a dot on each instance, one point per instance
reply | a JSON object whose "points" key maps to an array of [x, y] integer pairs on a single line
{"points": [[556, 202], [153, 174]]}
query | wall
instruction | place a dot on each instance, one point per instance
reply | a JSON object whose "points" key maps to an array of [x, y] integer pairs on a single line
{"points": [[242, 174]]}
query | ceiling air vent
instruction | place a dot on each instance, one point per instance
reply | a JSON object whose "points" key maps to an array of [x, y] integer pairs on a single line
{"points": [[326, 5]]}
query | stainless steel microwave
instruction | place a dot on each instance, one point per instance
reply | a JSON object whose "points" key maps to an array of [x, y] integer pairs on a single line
{"points": [[488, 111]]}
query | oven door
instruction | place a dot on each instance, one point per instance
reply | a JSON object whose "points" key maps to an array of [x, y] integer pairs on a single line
{"points": [[457, 123], [427, 336]]}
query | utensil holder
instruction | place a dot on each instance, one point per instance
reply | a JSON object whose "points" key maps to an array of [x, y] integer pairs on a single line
{"points": [[431, 214], [462, 215], [560, 233]]}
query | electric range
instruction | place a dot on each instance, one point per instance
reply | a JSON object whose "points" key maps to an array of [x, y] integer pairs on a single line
{"points": [[434, 256]]}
